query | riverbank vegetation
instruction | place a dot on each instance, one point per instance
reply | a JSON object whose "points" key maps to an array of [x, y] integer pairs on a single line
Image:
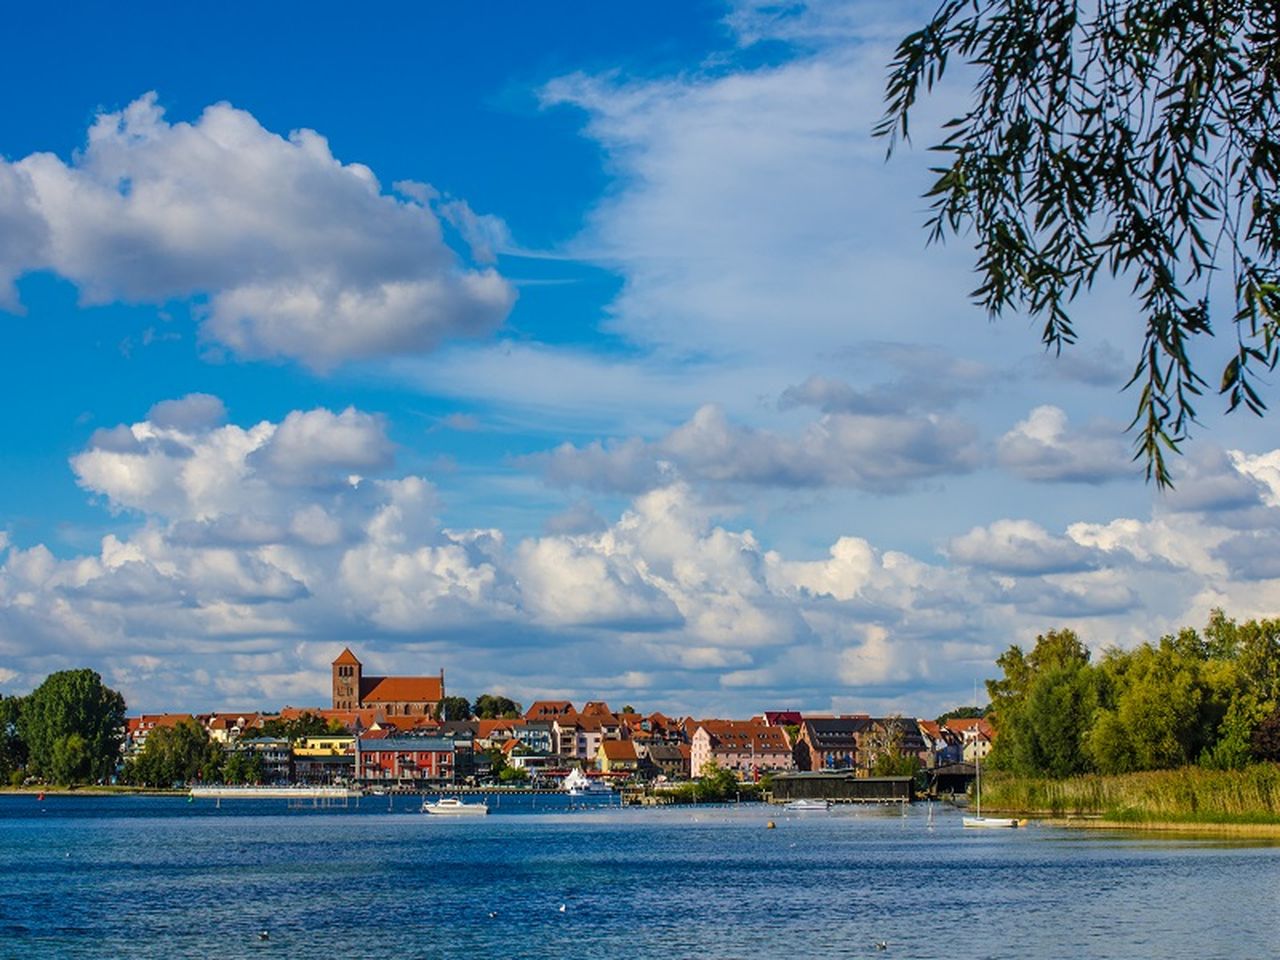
{"points": [[1186, 727], [1190, 794]]}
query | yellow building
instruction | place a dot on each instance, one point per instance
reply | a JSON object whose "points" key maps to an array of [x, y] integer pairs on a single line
{"points": [[327, 745]]}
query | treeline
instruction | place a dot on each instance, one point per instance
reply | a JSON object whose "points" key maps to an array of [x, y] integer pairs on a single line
{"points": [[1209, 697], [68, 730]]}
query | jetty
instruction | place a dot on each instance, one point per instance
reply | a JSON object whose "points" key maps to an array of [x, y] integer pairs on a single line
{"points": [[295, 796]]}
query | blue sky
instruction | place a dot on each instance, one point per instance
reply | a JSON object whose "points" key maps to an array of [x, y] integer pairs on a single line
{"points": [[581, 350]]}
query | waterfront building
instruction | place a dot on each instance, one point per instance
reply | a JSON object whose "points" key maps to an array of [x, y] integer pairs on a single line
{"points": [[404, 761], [395, 696], [747, 747], [670, 760], [578, 738], [617, 757], [324, 759], [831, 743], [274, 753]]}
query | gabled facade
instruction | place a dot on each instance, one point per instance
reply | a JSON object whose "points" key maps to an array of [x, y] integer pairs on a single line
{"points": [[831, 743], [617, 757], [747, 747]]}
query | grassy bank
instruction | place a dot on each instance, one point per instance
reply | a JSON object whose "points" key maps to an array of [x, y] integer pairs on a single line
{"points": [[1190, 795], [95, 789]]}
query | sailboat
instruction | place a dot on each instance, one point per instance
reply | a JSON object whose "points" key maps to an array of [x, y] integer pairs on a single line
{"points": [[980, 821]]}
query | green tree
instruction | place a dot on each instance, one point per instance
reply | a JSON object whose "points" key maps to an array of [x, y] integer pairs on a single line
{"points": [[716, 783], [73, 702], [1043, 706], [182, 753], [1265, 743], [69, 760], [962, 713], [454, 708], [13, 751], [885, 754], [1160, 708], [1129, 137], [513, 775], [306, 724], [492, 707]]}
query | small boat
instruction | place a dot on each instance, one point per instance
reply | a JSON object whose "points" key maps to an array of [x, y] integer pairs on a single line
{"points": [[453, 807], [578, 784], [995, 822], [807, 806], [979, 821]]}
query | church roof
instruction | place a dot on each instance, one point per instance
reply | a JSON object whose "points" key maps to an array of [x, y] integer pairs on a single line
{"points": [[401, 690], [346, 657]]}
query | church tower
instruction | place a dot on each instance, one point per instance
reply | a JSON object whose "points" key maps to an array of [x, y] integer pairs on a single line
{"points": [[346, 681]]}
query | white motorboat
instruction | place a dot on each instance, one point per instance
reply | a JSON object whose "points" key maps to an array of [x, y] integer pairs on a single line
{"points": [[453, 807], [578, 784], [807, 806]]}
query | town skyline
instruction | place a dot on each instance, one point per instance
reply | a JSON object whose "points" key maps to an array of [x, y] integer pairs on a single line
{"points": [[572, 361]]}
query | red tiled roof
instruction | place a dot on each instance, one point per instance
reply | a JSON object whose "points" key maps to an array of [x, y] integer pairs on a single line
{"points": [[485, 729], [346, 658], [745, 734], [979, 725], [401, 689], [541, 709], [618, 749]]}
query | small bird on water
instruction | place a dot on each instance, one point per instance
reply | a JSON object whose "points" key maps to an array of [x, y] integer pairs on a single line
{"points": [[562, 906], [882, 944], [493, 914], [263, 935]]}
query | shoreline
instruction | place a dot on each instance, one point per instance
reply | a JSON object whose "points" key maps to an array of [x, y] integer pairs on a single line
{"points": [[1219, 829], [96, 790]]}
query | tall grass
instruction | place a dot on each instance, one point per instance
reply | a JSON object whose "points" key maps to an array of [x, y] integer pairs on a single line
{"points": [[1189, 794]]}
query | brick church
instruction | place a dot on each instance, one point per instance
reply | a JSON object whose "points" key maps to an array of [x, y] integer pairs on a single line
{"points": [[395, 696]]}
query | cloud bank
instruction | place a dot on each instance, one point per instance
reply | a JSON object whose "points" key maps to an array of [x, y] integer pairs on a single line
{"points": [[292, 253]]}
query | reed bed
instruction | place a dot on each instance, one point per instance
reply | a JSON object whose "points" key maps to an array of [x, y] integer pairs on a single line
{"points": [[1186, 795]]}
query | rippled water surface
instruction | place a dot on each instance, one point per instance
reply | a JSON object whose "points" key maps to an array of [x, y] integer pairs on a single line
{"points": [[160, 877]]}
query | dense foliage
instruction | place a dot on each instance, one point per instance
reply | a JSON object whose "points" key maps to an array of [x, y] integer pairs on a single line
{"points": [[176, 755], [13, 751], [454, 708], [1194, 697], [306, 724], [72, 726], [489, 706], [1137, 138]]}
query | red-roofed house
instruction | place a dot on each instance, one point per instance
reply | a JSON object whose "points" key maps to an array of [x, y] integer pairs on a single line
{"points": [[748, 747], [976, 733], [617, 756], [395, 696]]}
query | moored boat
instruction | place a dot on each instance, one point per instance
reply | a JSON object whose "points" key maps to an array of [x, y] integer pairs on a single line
{"points": [[578, 784], [453, 807], [807, 806], [995, 822]]}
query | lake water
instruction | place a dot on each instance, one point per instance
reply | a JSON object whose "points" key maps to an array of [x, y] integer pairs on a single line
{"points": [[159, 877]]}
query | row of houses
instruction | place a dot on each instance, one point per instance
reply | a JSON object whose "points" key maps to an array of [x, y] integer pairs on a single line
{"points": [[553, 737]]}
